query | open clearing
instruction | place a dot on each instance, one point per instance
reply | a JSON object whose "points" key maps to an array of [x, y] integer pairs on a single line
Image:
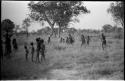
{"points": [[68, 61]]}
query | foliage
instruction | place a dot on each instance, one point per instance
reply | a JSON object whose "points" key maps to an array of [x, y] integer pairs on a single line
{"points": [[26, 24], [117, 11], [56, 12], [7, 26], [107, 28]]}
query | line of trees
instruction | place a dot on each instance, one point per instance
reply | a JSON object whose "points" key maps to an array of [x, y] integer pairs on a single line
{"points": [[108, 28], [61, 14]]}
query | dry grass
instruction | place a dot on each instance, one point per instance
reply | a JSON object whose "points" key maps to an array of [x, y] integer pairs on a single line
{"points": [[68, 61]]}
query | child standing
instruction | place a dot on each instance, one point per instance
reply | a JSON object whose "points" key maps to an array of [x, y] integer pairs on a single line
{"points": [[32, 50], [27, 52]]}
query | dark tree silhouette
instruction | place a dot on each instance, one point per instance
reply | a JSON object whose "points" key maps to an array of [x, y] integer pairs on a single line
{"points": [[7, 27], [7, 32]]}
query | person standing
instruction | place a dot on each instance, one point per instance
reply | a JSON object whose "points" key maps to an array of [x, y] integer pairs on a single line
{"points": [[14, 43], [26, 51], [32, 50], [42, 50], [82, 39], [8, 45], [103, 41]]}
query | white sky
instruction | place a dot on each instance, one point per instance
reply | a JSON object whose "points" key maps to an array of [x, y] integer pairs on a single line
{"points": [[18, 10]]}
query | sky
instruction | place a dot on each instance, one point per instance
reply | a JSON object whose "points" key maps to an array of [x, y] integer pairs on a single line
{"points": [[17, 11]]}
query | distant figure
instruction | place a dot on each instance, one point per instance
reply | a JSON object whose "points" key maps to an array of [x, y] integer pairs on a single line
{"points": [[42, 50], [67, 40], [103, 41], [38, 49], [71, 40], [27, 51], [8, 45], [49, 40], [88, 40], [82, 39], [61, 40], [32, 50], [14, 43]]}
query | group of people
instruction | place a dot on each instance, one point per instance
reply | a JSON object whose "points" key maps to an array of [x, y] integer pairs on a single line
{"points": [[40, 46], [87, 40], [84, 40], [69, 39], [40, 50], [9, 45]]}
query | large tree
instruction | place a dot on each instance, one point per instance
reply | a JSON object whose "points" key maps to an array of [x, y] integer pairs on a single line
{"points": [[117, 11], [26, 24], [56, 12], [7, 27], [16, 29], [107, 28]]}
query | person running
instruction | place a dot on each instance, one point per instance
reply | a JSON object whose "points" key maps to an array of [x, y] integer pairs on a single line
{"points": [[32, 50]]}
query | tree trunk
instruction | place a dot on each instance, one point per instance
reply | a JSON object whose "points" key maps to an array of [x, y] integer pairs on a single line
{"points": [[59, 30], [27, 33], [52, 27]]}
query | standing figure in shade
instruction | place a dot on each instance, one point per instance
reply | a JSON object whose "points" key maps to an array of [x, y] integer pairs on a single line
{"points": [[49, 39], [38, 49], [27, 51], [32, 50], [103, 41], [88, 40], [42, 50], [14, 43], [82, 39], [8, 45]]}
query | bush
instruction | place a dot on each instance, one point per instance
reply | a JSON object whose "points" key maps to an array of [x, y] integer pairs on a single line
{"points": [[59, 47]]}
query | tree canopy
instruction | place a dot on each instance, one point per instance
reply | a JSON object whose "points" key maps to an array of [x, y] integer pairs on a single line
{"points": [[56, 12], [7, 26], [117, 11], [107, 28], [26, 24]]}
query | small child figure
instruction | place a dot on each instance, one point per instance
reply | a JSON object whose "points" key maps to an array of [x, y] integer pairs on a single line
{"points": [[27, 52], [32, 50]]}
